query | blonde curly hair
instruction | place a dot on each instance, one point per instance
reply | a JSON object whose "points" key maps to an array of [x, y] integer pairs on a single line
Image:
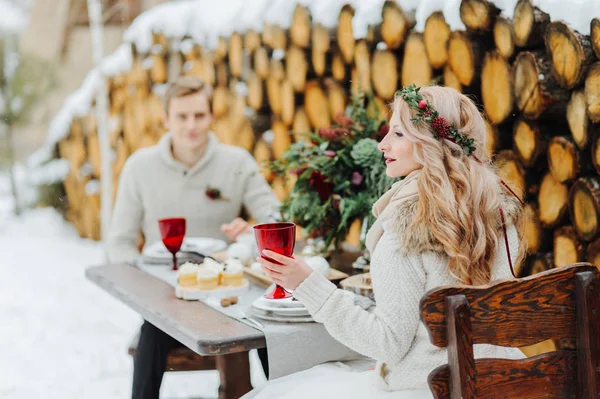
{"points": [[459, 197]]}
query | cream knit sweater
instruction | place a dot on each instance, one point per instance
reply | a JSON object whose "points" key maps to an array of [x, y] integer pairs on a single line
{"points": [[402, 271], [153, 185]]}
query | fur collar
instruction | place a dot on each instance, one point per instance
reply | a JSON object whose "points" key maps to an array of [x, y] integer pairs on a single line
{"points": [[421, 240]]}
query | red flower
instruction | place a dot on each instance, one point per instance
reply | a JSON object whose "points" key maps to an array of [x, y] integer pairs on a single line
{"points": [[343, 120], [214, 193], [383, 130], [422, 104], [323, 187], [332, 134], [356, 179], [440, 126]]}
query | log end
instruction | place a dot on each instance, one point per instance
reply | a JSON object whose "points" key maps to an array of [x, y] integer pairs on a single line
{"points": [[415, 65], [435, 37], [592, 92], [523, 21], [461, 57], [345, 37], [496, 87], [526, 141], [584, 207], [563, 159], [478, 15], [552, 201], [384, 73], [579, 123], [567, 247], [395, 24], [504, 37], [566, 54]]}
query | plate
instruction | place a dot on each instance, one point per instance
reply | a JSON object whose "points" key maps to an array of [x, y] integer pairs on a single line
{"points": [[282, 319], [280, 303], [268, 308], [203, 245]]}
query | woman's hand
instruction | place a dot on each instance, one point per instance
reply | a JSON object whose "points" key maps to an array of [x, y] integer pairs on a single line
{"points": [[235, 228], [290, 274]]}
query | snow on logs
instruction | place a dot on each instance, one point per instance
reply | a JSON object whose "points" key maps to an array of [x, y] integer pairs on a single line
{"points": [[535, 76]]}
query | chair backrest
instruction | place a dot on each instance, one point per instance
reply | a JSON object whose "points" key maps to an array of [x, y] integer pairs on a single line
{"points": [[560, 304]]}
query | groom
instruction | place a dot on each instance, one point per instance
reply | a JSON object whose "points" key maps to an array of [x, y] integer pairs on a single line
{"points": [[187, 174]]}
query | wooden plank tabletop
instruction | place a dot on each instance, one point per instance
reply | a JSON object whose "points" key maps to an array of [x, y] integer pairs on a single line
{"points": [[195, 324]]}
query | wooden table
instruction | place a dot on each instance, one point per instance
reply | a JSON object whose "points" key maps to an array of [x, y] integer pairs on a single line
{"points": [[195, 324]]}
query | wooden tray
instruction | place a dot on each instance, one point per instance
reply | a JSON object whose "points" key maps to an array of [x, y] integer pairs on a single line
{"points": [[196, 294], [358, 285], [263, 279]]}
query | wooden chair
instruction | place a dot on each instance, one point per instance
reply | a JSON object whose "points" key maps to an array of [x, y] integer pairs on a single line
{"points": [[560, 304]]}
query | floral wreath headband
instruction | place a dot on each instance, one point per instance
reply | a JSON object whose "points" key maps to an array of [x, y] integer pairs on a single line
{"points": [[444, 130], [426, 113]]}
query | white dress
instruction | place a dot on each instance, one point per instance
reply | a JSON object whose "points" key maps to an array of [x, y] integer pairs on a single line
{"points": [[354, 379]]}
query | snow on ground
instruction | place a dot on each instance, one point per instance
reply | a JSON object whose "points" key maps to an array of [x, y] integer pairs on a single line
{"points": [[60, 335]]}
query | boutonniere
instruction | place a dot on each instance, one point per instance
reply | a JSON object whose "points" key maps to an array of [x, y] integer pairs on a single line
{"points": [[215, 194]]}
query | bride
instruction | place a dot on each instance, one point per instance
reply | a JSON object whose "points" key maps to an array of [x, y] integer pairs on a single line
{"points": [[441, 225]]}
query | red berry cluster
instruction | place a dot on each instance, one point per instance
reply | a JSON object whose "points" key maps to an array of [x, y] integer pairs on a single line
{"points": [[440, 126]]}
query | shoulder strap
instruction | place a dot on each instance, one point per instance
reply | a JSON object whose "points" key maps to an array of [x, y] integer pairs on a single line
{"points": [[512, 270]]}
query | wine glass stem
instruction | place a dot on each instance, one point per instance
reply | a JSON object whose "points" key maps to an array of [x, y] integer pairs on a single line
{"points": [[175, 265]]}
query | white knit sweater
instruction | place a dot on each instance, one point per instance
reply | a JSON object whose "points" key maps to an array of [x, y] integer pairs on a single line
{"points": [[153, 185], [391, 332]]}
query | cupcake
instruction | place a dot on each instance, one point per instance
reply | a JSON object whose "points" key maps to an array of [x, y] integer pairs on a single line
{"points": [[212, 264], [208, 279], [233, 274], [240, 251], [186, 275]]}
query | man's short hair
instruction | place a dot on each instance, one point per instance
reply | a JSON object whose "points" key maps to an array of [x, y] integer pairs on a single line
{"points": [[186, 86]]}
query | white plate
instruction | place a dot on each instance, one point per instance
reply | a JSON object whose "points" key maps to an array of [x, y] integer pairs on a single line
{"points": [[279, 303], [203, 245], [282, 319], [279, 310]]}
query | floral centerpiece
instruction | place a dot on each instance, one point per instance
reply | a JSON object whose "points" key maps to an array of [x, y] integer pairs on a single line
{"points": [[339, 174]]}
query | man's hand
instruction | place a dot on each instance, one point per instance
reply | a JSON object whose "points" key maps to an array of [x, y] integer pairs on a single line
{"points": [[235, 228]]}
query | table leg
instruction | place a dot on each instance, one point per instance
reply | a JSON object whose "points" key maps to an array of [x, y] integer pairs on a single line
{"points": [[234, 371]]}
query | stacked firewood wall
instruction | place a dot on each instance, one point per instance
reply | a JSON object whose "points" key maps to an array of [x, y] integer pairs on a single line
{"points": [[537, 82]]}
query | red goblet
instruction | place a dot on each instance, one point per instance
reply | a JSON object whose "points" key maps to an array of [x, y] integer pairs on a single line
{"points": [[280, 238], [172, 231]]}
